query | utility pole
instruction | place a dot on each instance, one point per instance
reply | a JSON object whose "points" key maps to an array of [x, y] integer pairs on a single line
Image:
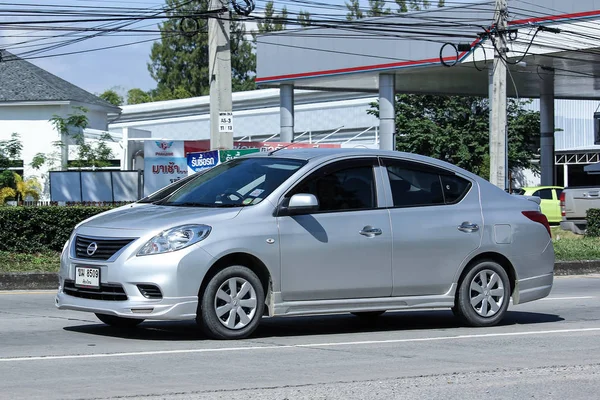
{"points": [[498, 123], [219, 66]]}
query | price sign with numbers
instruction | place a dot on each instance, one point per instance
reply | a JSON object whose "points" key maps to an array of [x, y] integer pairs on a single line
{"points": [[225, 122]]}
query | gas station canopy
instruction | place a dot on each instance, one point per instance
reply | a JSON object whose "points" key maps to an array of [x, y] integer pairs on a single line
{"points": [[443, 51]]}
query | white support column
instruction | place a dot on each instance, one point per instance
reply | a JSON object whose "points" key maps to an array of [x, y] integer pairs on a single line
{"points": [[387, 112], [547, 127], [219, 67], [286, 113], [566, 175], [498, 121]]}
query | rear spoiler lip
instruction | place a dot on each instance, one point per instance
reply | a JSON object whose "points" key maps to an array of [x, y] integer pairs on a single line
{"points": [[535, 199]]}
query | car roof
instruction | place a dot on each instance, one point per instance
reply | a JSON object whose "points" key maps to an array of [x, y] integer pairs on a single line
{"points": [[324, 154], [319, 155]]}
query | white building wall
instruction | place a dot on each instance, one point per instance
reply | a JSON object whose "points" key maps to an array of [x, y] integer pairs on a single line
{"points": [[32, 123], [315, 117]]}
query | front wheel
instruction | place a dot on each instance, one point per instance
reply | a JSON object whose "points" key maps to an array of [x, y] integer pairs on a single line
{"points": [[119, 322], [483, 294], [232, 304]]}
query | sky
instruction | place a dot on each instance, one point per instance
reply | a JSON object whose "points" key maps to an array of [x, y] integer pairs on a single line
{"points": [[121, 68]]}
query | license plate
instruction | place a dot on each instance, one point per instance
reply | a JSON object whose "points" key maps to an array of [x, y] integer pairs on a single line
{"points": [[87, 277]]}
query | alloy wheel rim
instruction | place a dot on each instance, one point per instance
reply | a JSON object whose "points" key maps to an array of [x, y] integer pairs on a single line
{"points": [[486, 293], [235, 303]]}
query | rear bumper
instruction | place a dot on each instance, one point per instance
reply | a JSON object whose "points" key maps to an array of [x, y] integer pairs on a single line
{"points": [[575, 226], [533, 288]]}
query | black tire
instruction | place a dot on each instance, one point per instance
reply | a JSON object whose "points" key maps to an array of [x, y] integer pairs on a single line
{"points": [[215, 326], [368, 315], [472, 315], [119, 322]]}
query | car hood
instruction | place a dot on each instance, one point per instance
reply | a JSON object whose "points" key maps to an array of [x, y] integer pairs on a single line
{"points": [[153, 217]]}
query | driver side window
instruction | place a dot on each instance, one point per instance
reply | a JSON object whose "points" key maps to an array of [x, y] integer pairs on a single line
{"points": [[351, 188]]}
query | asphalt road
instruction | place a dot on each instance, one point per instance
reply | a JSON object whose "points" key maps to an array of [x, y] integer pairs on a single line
{"points": [[547, 349]]}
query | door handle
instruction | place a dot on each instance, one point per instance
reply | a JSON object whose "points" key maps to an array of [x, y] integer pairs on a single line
{"points": [[468, 227], [369, 231]]}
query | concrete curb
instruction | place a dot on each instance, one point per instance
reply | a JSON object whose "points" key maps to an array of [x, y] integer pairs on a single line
{"points": [[28, 280], [49, 281]]}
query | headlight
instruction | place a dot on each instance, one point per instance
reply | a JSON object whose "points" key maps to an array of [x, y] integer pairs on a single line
{"points": [[175, 239]]}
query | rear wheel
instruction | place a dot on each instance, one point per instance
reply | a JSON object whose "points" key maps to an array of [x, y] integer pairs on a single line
{"points": [[232, 304], [119, 322], [483, 295]]}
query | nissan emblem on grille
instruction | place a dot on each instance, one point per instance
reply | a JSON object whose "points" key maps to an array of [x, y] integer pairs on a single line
{"points": [[92, 249]]}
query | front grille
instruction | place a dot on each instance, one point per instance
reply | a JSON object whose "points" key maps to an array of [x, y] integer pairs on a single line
{"points": [[105, 249], [150, 291], [107, 291]]}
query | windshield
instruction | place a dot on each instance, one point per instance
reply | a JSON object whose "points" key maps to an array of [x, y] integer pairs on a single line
{"points": [[239, 182], [167, 190]]}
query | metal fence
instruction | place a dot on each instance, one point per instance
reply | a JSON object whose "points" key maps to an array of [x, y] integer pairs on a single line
{"points": [[95, 186]]}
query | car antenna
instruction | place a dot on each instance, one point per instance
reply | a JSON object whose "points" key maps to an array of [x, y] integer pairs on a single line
{"points": [[281, 148]]}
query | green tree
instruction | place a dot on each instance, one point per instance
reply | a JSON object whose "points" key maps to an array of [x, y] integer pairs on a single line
{"points": [[138, 96], [402, 7], [272, 21], [456, 129], [88, 154], [179, 62], [354, 10], [10, 150], [377, 8], [112, 97], [304, 18]]}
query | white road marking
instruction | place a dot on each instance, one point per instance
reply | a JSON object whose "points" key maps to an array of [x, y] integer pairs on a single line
{"points": [[296, 346], [569, 298]]}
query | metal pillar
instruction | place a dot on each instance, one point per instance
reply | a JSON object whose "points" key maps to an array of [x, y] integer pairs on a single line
{"points": [[286, 113], [387, 112], [547, 127], [566, 175]]}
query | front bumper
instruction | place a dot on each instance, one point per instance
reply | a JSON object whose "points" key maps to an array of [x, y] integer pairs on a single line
{"points": [[178, 276], [176, 308]]}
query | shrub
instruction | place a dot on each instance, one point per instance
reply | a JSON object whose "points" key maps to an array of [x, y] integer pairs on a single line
{"points": [[593, 222], [40, 229]]}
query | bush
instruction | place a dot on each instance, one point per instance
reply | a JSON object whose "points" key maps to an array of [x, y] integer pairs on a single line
{"points": [[40, 229], [593, 222]]}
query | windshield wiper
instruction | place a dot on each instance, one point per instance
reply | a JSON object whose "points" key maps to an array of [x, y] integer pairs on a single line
{"points": [[189, 204]]}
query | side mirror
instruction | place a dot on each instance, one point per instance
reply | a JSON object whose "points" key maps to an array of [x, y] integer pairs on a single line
{"points": [[302, 203]]}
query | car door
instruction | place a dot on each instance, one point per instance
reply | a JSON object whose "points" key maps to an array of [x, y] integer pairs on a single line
{"points": [[436, 223], [547, 203], [343, 250]]}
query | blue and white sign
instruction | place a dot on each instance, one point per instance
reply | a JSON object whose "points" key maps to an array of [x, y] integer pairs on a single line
{"points": [[200, 161]]}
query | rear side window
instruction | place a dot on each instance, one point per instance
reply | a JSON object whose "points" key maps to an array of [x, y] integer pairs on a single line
{"points": [[454, 188], [414, 188], [544, 194], [423, 186]]}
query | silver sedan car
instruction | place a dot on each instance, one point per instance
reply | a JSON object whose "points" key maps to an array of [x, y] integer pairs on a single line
{"points": [[313, 231]]}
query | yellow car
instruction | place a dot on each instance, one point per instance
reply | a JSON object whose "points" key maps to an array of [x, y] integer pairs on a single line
{"points": [[549, 196]]}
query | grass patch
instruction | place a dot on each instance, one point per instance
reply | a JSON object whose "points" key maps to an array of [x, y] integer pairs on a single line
{"points": [[571, 247], [35, 262]]}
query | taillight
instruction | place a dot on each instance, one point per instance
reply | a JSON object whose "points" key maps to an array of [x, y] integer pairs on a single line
{"points": [[537, 216], [562, 204]]}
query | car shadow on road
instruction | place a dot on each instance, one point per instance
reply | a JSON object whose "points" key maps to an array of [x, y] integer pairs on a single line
{"points": [[312, 325]]}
